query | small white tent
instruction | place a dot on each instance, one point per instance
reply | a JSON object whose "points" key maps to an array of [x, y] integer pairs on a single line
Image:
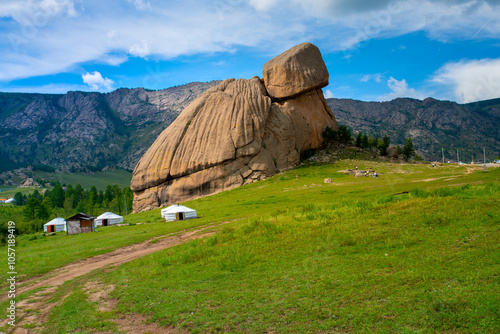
{"points": [[55, 225], [108, 218], [178, 212]]}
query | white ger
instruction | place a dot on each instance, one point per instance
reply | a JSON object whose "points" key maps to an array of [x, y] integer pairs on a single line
{"points": [[178, 212], [108, 218], [55, 225]]}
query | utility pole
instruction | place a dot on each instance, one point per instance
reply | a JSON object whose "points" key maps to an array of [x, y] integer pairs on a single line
{"points": [[442, 151], [458, 158], [484, 157]]}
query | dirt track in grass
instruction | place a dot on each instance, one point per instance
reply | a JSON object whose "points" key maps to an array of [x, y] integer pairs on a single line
{"points": [[114, 258], [51, 281]]}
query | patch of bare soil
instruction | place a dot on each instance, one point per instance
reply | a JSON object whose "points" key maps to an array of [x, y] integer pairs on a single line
{"points": [[129, 323], [113, 259], [428, 180], [98, 293], [137, 324], [33, 312]]}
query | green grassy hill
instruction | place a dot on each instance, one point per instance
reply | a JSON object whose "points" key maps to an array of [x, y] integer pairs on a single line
{"points": [[415, 250], [100, 180]]}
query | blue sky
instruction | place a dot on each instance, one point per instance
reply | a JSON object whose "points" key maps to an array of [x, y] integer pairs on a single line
{"points": [[375, 50]]}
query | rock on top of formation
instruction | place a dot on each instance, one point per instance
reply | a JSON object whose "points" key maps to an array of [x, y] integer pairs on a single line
{"points": [[296, 71], [234, 134]]}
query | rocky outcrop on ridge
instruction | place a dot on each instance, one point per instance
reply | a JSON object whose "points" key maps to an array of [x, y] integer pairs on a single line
{"points": [[238, 132], [435, 126], [29, 183]]}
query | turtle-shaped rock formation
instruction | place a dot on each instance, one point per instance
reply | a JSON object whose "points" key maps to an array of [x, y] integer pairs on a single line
{"points": [[238, 132]]}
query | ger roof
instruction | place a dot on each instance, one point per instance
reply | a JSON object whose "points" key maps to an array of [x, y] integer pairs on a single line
{"points": [[177, 208], [109, 215], [56, 221]]}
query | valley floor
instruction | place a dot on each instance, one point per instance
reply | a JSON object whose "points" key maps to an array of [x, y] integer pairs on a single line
{"points": [[415, 250], [48, 284]]}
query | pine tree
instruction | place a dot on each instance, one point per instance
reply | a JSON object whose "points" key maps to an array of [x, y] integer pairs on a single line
{"points": [[57, 195], [408, 150], [118, 199], [399, 150], [91, 200], [42, 210], [364, 141], [79, 195], [383, 145], [344, 134], [372, 142], [359, 137], [29, 210], [329, 135], [68, 204], [20, 199], [108, 195]]}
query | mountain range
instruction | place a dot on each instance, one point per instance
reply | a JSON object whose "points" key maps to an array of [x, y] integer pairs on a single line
{"points": [[90, 131], [435, 126], [87, 131]]}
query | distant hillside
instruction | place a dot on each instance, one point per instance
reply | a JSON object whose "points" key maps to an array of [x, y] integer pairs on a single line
{"points": [[431, 123], [83, 131]]}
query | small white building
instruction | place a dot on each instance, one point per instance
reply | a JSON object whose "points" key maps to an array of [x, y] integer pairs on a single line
{"points": [[55, 225], [178, 212], [108, 218]]}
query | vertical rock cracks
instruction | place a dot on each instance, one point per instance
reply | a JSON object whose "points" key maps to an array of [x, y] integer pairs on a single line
{"points": [[238, 132]]}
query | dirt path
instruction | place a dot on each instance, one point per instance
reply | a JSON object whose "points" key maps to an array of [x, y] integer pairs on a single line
{"points": [[113, 259], [33, 312]]}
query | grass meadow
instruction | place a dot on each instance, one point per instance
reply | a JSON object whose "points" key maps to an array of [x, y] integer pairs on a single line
{"points": [[100, 180], [416, 250], [421, 262]]}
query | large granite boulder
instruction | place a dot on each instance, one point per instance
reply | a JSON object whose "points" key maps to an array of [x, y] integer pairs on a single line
{"points": [[231, 135], [295, 71]]}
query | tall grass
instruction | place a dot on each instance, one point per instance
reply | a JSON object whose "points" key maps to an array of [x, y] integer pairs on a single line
{"points": [[426, 262], [413, 251]]}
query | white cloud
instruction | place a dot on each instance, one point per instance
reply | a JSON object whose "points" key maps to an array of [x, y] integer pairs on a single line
{"points": [[140, 4], [263, 5], [471, 80], [328, 94], [399, 88], [97, 82], [53, 36], [36, 13], [141, 49], [444, 21], [219, 63], [377, 77]]}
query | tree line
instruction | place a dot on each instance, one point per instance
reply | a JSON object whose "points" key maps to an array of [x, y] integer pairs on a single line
{"points": [[362, 140]]}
